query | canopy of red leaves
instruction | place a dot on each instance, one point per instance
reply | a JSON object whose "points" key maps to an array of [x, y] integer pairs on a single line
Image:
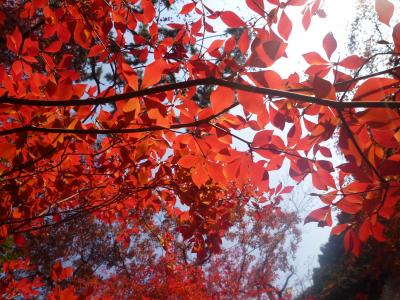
{"points": [[150, 150]]}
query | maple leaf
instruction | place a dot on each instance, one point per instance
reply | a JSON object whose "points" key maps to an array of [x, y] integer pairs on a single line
{"points": [[59, 273]]}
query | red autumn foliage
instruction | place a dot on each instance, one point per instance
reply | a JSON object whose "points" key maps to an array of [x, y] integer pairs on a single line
{"points": [[146, 156]]}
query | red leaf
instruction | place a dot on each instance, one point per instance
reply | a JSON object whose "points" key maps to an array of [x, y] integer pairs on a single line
{"points": [[153, 73], [200, 174], [384, 9], [96, 50], [187, 8], [313, 58], [82, 35], [7, 151], [338, 229], [59, 294], [321, 215], [244, 42], [365, 230], [63, 33], [14, 40], [352, 62], [375, 89], [215, 45], [59, 273], [322, 180], [196, 26], [149, 12], [253, 103], [396, 37], [188, 161], [329, 44], [325, 151], [306, 20], [287, 189], [378, 232], [351, 242], [19, 240], [17, 67], [262, 138], [257, 6], [230, 44], [231, 19], [221, 99], [385, 138], [284, 26], [350, 204], [54, 47], [130, 76], [324, 89], [274, 49], [296, 2]]}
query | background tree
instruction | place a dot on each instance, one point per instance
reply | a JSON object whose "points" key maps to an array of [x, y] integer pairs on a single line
{"points": [[374, 274]]}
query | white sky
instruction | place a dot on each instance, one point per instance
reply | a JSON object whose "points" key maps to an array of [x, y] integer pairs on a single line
{"points": [[339, 14]]}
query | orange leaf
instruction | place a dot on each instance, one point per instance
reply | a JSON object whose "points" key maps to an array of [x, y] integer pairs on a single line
{"points": [[253, 103], [153, 73], [132, 105], [188, 161], [375, 89], [130, 76], [221, 99], [200, 174]]}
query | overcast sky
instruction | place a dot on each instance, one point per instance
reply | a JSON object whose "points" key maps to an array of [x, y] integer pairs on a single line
{"points": [[339, 14]]}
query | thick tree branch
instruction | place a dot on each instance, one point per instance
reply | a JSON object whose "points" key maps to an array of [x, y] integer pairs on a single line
{"points": [[196, 82]]}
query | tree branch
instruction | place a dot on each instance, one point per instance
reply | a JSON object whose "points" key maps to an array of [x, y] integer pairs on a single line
{"points": [[115, 130], [196, 82]]}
